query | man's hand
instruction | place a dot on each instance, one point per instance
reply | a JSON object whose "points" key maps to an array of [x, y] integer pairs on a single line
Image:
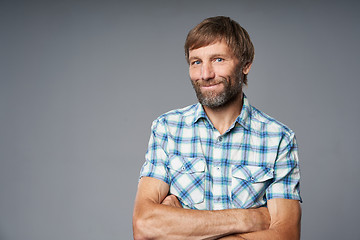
{"points": [[285, 222], [171, 200], [261, 218]]}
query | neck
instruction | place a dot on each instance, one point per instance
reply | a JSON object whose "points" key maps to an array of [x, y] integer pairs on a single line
{"points": [[223, 117]]}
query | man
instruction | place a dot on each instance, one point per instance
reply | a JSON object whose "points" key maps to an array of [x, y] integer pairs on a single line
{"points": [[220, 169]]}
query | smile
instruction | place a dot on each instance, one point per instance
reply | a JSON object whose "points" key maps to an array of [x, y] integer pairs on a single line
{"points": [[210, 86]]}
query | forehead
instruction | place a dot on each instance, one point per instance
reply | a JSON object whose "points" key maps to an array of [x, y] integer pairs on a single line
{"points": [[216, 48]]}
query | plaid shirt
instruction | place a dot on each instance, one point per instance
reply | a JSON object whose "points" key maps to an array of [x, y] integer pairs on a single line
{"points": [[255, 160]]}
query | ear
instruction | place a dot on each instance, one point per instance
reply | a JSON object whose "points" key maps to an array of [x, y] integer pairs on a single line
{"points": [[246, 68]]}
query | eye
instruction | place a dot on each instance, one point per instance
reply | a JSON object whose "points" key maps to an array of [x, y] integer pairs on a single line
{"points": [[219, 59], [196, 62]]}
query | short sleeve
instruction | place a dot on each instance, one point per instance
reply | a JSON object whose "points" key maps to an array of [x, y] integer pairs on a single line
{"points": [[156, 156], [286, 183]]}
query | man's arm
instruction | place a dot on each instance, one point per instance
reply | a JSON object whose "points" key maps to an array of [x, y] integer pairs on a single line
{"points": [[285, 222], [153, 220]]}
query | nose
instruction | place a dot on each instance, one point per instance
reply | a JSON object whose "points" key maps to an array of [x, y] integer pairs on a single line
{"points": [[207, 71]]}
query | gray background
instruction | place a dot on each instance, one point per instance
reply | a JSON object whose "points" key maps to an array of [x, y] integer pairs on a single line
{"points": [[81, 82]]}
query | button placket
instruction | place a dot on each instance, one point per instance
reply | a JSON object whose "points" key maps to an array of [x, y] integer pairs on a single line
{"points": [[216, 172], [217, 203]]}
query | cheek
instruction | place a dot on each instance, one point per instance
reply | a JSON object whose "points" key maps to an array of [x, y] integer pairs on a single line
{"points": [[228, 73], [223, 71], [194, 74]]}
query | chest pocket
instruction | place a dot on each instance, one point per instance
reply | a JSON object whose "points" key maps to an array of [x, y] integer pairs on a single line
{"points": [[187, 179], [249, 184]]}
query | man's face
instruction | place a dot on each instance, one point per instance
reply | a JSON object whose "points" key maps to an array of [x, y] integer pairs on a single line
{"points": [[215, 74]]}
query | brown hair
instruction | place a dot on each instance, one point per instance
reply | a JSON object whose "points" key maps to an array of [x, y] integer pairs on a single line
{"points": [[219, 28]]}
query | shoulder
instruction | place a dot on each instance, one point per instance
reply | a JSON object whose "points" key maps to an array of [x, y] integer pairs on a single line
{"points": [[261, 121], [176, 117]]}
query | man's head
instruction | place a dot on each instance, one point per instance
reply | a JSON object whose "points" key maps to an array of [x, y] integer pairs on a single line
{"points": [[219, 53], [223, 28]]}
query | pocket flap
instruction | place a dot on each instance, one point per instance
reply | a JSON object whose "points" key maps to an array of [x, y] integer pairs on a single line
{"points": [[186, 165], [252, 173]]}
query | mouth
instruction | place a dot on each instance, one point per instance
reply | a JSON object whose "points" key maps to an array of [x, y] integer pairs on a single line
{"points": [[210, 86]]}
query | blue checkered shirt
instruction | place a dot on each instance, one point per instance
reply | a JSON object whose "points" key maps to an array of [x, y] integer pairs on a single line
{"points": [[255, 160]]}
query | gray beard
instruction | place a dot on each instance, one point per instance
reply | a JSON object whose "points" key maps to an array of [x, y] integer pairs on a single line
{"points": [[212, 100]]}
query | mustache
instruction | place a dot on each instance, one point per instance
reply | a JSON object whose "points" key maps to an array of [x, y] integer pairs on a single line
{"points": [[208, 83]]}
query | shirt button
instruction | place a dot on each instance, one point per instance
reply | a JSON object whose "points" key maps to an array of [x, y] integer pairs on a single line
{"points": [[220, 139], [217, 199], [252, 179], [218, 168], [183, 168]]}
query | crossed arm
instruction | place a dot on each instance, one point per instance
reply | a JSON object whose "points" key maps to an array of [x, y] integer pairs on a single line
{"points": [[153, 220], [285, 222]]}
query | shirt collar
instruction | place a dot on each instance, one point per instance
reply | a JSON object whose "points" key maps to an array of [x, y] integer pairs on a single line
{"points": [[243, 119], [197, 113]]}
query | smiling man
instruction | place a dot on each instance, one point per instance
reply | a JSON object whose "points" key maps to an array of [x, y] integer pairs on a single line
{"points": [[219, 169]]}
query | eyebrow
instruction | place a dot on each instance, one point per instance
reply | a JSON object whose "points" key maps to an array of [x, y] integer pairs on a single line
{"points": [[211, 56]]}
